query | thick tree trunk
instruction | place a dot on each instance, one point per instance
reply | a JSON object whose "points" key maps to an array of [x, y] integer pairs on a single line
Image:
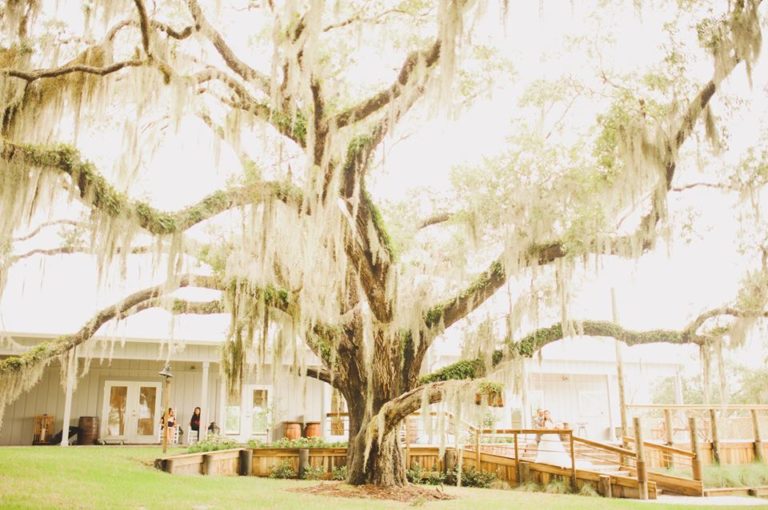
{"points": [[384, 465]]}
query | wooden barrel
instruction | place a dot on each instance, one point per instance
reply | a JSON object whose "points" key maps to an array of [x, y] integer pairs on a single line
{"points": [[89, 430], [292, 430], [312, 429]]}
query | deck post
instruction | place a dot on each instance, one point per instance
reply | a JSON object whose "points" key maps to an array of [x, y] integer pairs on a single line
{"points": [[70, 388], [666, 459], [756, 433], [669, 433], [517, 459], [642, 475], [696, 460], [715, 436], [620, 373], [573, 462], [604, 486]]}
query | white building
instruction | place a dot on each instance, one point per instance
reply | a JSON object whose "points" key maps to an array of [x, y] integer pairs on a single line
{"points": [[118, 382]]}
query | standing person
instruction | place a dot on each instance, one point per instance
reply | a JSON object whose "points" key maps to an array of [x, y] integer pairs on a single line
{"points": [[170, 427], [194, 426]]}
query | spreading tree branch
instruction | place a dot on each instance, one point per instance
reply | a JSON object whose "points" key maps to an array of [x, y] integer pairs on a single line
{"points": [[233, 62], [44, 353], [33, 233], [31, 76], [530, 344], [95, 191], [407, 77]]}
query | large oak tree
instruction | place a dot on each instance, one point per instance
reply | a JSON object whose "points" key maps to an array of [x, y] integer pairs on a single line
{"points": [[309, 87]]}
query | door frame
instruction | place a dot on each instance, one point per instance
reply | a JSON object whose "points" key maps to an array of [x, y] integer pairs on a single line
{"points": [[131, 411], [245, 429]]}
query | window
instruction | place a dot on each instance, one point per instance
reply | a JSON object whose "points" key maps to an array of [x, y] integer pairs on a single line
{"points": [[260, 411]]}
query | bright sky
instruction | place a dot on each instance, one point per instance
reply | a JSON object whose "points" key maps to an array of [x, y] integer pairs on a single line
{"points": [[664, 289]]}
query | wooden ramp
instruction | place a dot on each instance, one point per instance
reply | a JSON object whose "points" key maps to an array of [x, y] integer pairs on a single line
{"points": [[506, 468], [610, 469]]}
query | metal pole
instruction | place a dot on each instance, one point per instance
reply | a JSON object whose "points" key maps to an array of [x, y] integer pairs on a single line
{"points": [[758, 440], [165, 415]]}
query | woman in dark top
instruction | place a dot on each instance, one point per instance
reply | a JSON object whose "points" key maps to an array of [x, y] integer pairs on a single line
{"points": [[194, 423]]}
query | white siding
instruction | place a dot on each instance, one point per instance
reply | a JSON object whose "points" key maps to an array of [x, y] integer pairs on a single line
{"points": [[294, 399]]}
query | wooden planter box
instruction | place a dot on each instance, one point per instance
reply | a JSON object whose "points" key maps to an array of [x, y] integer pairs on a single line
{"points": [[222, 462]]}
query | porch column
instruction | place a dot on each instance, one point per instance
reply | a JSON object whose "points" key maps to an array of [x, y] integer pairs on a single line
{"points": [[204, 401], [70, 388], [323, 410]]}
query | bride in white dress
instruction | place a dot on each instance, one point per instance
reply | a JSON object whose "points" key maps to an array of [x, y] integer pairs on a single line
{"points": [[550, 449]]}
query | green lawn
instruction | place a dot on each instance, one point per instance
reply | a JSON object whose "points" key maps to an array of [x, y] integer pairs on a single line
{"points": [[123, 477]]}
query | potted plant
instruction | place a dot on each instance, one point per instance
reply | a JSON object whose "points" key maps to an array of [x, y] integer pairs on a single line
{"points": [[492, 392]]}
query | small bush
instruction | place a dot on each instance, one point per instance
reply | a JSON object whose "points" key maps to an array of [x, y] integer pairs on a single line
{"points": [[557, 487], [339, 473], [314, 473], [212, 443], [529, 487], [588, 490], [469, 477], [283, 470], [745, 475]]}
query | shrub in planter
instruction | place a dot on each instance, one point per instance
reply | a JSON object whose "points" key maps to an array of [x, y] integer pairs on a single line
{"points": [[283, 470], [212, 443], [301, 442]]}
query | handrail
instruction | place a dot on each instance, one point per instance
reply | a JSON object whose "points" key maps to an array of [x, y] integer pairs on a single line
{"points": [[727, 407], [663, 447], [526, 431], [607, 447]]}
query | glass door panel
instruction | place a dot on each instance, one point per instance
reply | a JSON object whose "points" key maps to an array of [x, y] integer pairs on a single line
{"points": [[145, 423], [118, 398], [260, 412]]}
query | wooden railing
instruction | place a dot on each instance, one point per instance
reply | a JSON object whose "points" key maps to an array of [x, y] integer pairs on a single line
{"points": [[718, 424]]}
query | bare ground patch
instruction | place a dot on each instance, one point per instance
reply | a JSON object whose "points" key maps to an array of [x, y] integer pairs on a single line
{"points": [[407, 494]]}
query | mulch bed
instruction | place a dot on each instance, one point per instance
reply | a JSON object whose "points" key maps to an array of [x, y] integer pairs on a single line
{"points": [[407, 494]]}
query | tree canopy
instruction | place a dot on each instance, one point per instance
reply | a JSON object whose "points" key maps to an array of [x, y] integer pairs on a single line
{"points": [[292, 110]]}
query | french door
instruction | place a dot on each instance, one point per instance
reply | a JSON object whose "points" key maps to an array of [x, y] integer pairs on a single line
{"points": [[249, 415], [131, 411]]}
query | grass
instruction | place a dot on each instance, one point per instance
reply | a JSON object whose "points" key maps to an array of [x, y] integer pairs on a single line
{"points": [[741, 475], [123, 478]]}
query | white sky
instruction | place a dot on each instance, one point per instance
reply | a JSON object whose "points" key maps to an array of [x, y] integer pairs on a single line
{"points": [[664, 289]]}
